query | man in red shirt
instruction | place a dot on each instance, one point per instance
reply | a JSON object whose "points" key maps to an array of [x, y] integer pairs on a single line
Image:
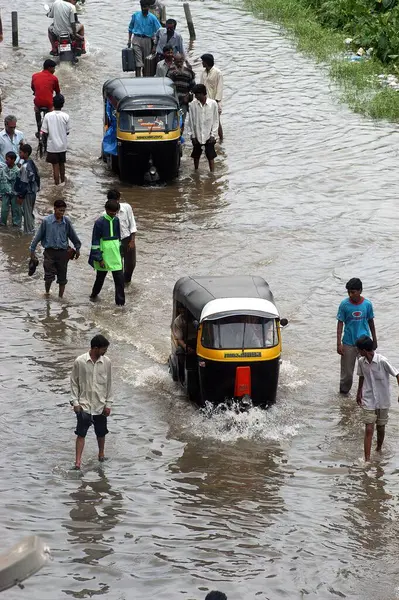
{"points": [[44, 85]]}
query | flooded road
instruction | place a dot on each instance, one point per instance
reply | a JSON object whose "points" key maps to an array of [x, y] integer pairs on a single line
{"points": [[269, 505]]}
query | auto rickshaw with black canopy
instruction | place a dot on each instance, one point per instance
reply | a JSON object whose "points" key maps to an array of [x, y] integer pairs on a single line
{"points": [[142, 134], [231, 346]]}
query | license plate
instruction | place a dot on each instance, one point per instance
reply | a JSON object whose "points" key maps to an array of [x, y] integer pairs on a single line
{"points": [[65, 48]]}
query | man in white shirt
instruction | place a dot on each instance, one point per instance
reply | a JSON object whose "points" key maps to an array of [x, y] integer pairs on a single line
{"points": [[91, 395], [202, 126], [128, 227], [212, 79], [11, 139], [373, 391], [56, 127]]}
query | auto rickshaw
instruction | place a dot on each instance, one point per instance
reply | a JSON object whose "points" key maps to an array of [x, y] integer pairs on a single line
{"points": [[226, 339], [142, 128]]}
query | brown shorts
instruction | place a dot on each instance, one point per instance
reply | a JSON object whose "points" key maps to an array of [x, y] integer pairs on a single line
{"points": [[55, 264], [56, 158], [379, 416]]}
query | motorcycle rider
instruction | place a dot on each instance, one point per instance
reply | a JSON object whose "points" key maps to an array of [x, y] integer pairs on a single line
{"points": [[44, 85], [64, 14]]}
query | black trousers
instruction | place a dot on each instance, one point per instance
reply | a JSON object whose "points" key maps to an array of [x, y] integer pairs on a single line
{"points": [[119, 285], [129, 259]]}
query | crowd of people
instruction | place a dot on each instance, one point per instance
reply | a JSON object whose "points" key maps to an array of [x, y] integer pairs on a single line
{"points": [[200, 104]]}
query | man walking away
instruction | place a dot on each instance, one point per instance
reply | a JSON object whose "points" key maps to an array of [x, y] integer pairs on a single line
{"points": [[53, 234], [28, 185], [10, 139], [169, 36], [91, 395], [373, 392], [44, 85], [212, 79], [128, 229], [105, 252], [8, 181], [143, 27], [63, 12], [355, 318], [56, 127], [202, 126]]}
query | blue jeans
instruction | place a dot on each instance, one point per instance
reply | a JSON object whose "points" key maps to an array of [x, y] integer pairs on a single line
{"points": [[7, 201]]}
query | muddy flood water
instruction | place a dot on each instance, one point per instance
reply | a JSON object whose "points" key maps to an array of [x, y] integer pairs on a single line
{"points": [[269, 505]]}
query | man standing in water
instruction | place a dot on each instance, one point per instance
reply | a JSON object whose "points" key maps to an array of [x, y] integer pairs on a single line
{"points": [[11, 139], [212, 79], [128, 229], [53, 234], [356, 315], [91, 395], [373, 392], [105, 252], [202, 126]]}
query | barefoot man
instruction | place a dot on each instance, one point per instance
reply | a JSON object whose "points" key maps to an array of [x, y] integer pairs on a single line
{"points": [[373, 392], [91, 395]]}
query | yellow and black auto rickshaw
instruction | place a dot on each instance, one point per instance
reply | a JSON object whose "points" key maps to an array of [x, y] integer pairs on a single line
{"points": [[142, 128], [226, 339]]}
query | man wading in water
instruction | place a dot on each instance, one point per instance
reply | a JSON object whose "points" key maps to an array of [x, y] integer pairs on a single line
{"points": [[373, 392], [91, 395]]}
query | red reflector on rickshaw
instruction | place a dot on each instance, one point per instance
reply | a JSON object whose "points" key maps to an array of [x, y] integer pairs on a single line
{"points": [[243, 382]]}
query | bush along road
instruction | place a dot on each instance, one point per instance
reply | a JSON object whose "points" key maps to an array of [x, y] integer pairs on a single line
{"points": [[357, 39]]}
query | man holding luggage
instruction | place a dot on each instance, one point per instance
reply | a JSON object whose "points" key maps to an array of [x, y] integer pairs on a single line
{"points": [[143, 27], [54, 234]]}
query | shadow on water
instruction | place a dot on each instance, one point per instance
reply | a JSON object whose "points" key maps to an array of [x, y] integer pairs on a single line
{"points": [[95, 509]]}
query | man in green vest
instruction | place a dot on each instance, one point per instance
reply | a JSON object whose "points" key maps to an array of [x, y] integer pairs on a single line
{"points": [[105, 254]]}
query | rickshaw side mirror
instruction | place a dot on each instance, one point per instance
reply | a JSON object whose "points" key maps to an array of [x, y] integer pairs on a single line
{"points": [[283, 322], [196, 324]]}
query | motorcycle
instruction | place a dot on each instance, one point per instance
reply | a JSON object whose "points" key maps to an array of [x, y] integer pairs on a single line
{"points": [[66, 46]]}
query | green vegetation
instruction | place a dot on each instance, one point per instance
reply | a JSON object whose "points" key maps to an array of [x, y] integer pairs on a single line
{"points": [[320, 27]]}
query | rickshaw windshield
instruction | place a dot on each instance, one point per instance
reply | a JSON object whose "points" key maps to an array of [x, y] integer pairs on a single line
{"points": [[148, 120], [239, 331]]}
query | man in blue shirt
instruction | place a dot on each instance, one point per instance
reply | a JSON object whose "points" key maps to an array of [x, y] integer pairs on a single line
{"points": [[53, 234], [356, 319], [143, 26]]}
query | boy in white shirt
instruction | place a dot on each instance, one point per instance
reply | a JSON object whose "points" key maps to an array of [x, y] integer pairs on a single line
{"points": [[373, 392], [56, 128]]}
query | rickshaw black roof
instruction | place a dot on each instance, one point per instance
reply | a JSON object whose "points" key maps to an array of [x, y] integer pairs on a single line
{"points": [[129, 92], [195, 292]]}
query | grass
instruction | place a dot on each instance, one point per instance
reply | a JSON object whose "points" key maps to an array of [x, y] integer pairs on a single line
{"points": [[358, 81]]}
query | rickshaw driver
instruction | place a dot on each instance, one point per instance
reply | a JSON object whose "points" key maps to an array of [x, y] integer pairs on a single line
{"points": [[183, 331]]}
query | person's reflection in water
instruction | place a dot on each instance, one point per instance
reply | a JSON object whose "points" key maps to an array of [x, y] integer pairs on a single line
{"points": [[96, 509], [368, 511]]}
